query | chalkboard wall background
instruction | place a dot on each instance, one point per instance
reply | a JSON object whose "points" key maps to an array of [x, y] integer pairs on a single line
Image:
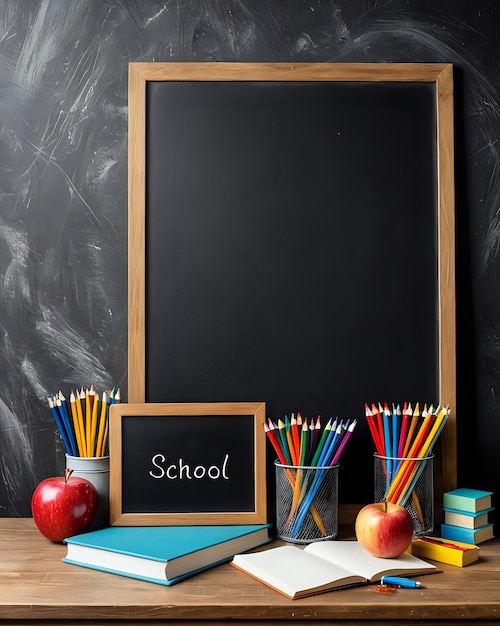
{"points": [[63, 187]]}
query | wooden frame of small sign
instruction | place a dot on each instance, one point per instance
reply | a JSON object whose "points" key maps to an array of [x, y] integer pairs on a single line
{"points": [[187, 463]]}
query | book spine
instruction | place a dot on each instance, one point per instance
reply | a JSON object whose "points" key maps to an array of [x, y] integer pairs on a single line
{"points": [[457, 502], [465, 521], [465, 503], [467, 535]]}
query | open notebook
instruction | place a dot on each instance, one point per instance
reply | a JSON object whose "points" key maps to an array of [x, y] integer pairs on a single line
{"points": [[324, 566]]}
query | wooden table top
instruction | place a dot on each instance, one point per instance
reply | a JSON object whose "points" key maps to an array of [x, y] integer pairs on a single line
{"points": [[35, 584]]}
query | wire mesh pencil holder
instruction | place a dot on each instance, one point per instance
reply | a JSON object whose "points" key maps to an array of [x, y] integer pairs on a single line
{"points": [[306, 502], [409, 482]]}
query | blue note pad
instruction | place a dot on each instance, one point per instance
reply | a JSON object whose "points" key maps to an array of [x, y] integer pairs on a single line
{"points": [[162, 554]]}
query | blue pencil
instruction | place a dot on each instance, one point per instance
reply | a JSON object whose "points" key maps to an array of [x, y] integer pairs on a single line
{"points": [[320, 475], [326, 446], [396, 423], [388, 444], [59, 423], [339, 431], [63, 408]]}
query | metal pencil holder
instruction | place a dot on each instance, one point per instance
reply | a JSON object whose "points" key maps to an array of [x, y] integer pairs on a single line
{"points": [[306, 502], [417, 487]]}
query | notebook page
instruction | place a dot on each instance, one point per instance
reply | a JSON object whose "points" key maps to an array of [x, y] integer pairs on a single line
{"points": [[292, 570], [351, 556]]}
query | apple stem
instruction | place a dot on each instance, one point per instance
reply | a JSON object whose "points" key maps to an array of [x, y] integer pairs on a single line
{"points": [[67, 474], [385, 505]]}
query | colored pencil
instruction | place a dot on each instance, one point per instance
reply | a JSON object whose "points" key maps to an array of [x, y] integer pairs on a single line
{"points": [[83, 421], [289, 438], [76, 423], [344, 432], [404, 430], [275, 442], [319, 448], [413, 439], [372, 425], [295, 436]]}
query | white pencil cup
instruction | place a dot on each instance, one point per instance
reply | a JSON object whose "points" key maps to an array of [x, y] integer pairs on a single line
{"points": [[95, 470]]}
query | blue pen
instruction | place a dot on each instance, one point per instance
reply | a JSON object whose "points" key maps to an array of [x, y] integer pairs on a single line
{"points": [[400, 582]]}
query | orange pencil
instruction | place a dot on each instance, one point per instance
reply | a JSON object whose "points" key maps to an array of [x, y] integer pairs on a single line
{"points": [[411, 430], [404, 470], [289, 438], [426, 448]]}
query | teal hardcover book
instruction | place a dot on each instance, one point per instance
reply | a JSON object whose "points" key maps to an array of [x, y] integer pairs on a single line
{"points": [[467, 535], [472, 500], [162, 554]]}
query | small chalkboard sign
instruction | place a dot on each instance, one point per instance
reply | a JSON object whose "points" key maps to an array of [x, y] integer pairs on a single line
{"points": [[199, 463]]}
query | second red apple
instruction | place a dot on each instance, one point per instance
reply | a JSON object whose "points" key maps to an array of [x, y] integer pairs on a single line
{"points": [[384, 529]]}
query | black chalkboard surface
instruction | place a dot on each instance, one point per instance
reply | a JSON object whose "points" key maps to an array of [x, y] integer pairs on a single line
{"points": [[296, 226], [197, 463], [270, 271]]}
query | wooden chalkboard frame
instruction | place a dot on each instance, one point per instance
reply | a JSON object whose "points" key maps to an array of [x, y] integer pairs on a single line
{"points": [[439, 74], [120, 412]]}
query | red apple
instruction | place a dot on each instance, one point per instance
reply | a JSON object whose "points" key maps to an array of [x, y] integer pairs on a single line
{"points": [[63, 506], [384, 529]]}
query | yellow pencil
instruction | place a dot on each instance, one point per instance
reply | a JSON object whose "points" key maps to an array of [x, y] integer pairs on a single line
{"points": [[399, 481], [88, 420], [102, 426], [424, 444], [429, 442], [425, 449], [93, 429], [81, 420], [76, 423], [105, 438]]}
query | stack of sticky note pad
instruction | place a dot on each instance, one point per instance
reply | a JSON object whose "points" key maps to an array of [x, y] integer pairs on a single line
{"points": [[466, 515], [445, 551]]}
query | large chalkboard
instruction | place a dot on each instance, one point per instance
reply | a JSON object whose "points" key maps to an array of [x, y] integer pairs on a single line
{"points": [[291, 239]]}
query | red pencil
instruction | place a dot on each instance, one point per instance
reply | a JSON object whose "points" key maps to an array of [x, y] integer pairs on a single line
{"points": [[269, 430], [295, 437], [373, 429], [378, 414]]}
